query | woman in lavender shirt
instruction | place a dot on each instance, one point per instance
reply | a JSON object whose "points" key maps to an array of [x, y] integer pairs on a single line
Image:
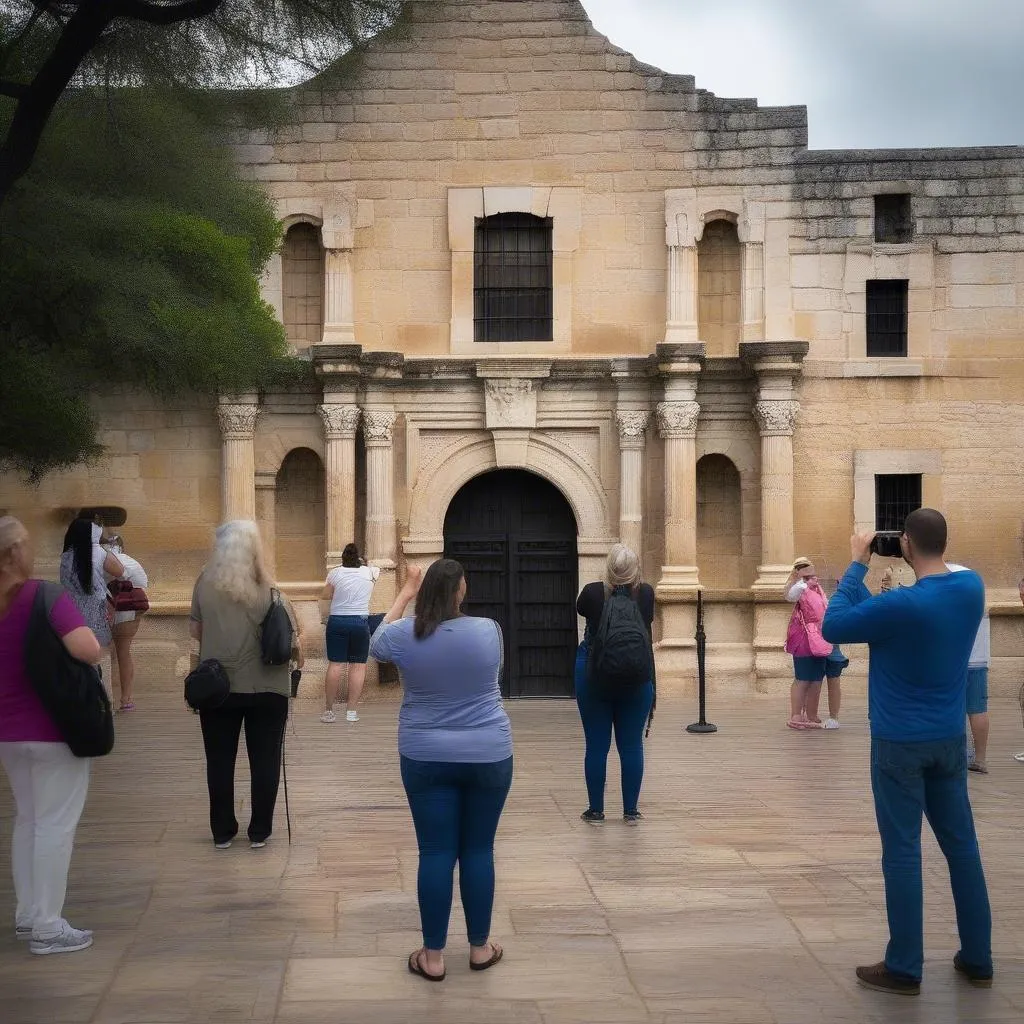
{"points": [[455, 744]]}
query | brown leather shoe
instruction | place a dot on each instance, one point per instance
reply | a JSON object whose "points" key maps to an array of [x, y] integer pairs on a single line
{"points": [[881, 979], [977, 977]]}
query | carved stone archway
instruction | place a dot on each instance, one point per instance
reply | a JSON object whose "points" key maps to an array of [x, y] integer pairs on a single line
{"points": [[441, 479]]}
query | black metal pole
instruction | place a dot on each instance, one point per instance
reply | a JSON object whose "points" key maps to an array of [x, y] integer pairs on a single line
{"points": [[702, 725]]}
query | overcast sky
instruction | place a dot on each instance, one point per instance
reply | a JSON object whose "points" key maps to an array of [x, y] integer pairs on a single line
{"points": [[872, 73]]}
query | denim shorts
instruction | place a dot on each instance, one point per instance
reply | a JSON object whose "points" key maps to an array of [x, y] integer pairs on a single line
{"points": [[812, 669], [977, 691], [348, 639]]}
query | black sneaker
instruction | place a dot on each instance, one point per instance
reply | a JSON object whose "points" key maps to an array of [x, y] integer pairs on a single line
{"points": [[881, 979], [633, 818], [976, 976], [593, 817]]}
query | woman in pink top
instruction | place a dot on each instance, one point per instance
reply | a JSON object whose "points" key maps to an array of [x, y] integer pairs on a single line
{"points": [[49, 783], [809, 669]]}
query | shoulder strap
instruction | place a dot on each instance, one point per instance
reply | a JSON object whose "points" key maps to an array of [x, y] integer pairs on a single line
{"points": [[51, 594]]}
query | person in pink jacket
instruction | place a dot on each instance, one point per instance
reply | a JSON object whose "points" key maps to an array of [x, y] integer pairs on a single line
{"points": [[810, 668]]}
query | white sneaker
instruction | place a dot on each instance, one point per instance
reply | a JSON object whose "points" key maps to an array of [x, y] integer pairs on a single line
{"points": [[328, 717], [222, 846], [258, 846], [830, 723], [351, 716], [67, 940], [1019, 757]]}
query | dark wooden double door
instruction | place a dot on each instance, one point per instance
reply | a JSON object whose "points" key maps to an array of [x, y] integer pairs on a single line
{"points": [[515, 535]]}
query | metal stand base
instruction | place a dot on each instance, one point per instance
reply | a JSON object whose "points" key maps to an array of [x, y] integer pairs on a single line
{"points": [[702, 727]]}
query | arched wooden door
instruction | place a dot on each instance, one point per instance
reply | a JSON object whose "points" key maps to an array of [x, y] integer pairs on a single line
{"points": [[515, 534]]}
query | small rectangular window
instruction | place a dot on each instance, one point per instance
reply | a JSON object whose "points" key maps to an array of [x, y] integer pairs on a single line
{"points": [[886, 305], [896, 496], [513, 280], [894, 219]]}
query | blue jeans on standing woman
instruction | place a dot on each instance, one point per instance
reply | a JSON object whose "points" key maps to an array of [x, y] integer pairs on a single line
{"points": [[455, 808], [930, 778], [626, 715]]}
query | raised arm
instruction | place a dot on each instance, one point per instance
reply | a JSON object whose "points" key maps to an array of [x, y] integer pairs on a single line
{"points": [[853, 616]]}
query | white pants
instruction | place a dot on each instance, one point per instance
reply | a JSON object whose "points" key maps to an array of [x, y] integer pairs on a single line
{"points": [[50, 785]]}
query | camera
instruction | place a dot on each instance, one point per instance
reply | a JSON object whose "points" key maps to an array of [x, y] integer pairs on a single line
{"points": [[887, 544], [296, 677]]}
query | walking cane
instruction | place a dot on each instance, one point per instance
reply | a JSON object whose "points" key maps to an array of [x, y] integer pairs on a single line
{"points": [[296, 677]]}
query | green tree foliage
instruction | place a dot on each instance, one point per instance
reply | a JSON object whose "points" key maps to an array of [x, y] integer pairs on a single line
{"points": [[129, 248], [129, 255], [48, 45]]}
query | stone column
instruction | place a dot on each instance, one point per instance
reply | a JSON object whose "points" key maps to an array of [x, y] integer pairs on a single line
{"points": [[753, 291], [266, 516], [238, 458], [380, 502], [682, 294], [632, 425], [339, 315], [776, 419], [340, 423], [677, 423]]}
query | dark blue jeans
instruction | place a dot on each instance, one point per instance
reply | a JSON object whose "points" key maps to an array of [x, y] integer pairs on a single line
{"points": [[455, 808], [626, 716], [930, 778]]}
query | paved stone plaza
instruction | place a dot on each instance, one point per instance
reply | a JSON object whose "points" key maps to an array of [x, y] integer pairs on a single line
{"points": [[747, 896]]}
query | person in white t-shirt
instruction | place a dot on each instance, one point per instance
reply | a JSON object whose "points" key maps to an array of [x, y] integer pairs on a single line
{"points": [[126, 624], [347, 592], [977, 690]]}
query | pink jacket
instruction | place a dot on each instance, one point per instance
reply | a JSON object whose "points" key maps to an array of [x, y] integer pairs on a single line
{"points": [[811, 605]]}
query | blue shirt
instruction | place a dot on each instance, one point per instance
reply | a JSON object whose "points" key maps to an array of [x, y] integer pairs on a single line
{"points": [[920, 641], [452, 709]]}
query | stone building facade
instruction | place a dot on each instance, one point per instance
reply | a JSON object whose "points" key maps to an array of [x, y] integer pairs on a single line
{"points": [[556, 298]]}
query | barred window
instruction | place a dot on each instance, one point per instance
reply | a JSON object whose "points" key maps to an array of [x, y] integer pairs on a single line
{"points": [[894, 220], [887, 318], [512, 279], [896, 496]]}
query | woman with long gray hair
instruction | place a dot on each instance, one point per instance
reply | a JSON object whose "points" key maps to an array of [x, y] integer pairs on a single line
{"points": [[229, 602], [622, 708]]}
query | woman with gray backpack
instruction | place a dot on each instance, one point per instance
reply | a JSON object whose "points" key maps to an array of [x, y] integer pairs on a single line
{"points": [[615, 686], [235, 608]]}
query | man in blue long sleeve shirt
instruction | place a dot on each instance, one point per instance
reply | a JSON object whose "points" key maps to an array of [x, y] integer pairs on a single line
{"points": [[920, 641]]}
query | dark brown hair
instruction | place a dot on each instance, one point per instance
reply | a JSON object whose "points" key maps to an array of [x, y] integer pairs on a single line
{"points": [[436, 601], [926, 529], [350, 557]]}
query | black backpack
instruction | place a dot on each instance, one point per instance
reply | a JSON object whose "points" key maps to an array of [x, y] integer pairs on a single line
{"points": [[70, 691], [276, 633], [620, 652]]}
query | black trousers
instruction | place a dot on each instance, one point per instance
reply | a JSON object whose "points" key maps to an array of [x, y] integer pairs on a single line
{"points": [[264, 716]]}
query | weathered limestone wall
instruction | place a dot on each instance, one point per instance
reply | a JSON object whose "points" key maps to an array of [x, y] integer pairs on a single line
{"points": [[473, 106]]}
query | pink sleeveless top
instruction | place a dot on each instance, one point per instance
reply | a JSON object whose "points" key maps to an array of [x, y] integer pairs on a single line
{"points": [[811, 606]]}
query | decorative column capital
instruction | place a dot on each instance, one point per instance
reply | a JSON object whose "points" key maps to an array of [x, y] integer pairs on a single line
{"points": [[632, 424], [776, 417], [340, 421], [237, 421], [377, 425], [678, 419]]}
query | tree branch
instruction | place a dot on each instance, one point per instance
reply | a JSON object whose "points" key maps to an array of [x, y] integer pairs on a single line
{"points": [[36, 103], [164, 14]]}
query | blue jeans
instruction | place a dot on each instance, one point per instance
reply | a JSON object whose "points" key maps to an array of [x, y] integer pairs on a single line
{"points": [[627, 715], [455, 808], [930, 778]]}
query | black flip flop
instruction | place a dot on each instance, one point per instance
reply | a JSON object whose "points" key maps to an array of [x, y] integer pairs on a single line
{"points": [[415, 968], [495, 957]]}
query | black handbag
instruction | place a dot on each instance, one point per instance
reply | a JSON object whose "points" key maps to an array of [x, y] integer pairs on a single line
{"points": [[207, 686]]}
